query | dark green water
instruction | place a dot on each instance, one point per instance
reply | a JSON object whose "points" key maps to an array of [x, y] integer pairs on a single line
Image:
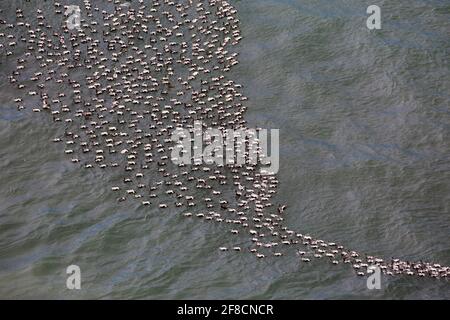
{"points": [[364, 123]]}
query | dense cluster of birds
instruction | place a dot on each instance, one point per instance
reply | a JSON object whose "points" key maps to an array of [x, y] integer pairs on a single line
{"points": [[130, 74]]}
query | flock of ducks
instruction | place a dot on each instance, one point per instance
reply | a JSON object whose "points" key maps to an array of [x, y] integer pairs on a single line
{"points": [[131, 74]]}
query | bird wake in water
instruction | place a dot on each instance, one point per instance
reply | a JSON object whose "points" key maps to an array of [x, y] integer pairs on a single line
{"points": [[125, 79]]}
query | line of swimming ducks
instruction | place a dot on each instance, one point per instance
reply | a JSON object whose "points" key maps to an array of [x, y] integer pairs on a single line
{"points": [[122, 87]]}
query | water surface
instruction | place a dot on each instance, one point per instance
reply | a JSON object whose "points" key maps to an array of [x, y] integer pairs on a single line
{"points": [[364, 123]]}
